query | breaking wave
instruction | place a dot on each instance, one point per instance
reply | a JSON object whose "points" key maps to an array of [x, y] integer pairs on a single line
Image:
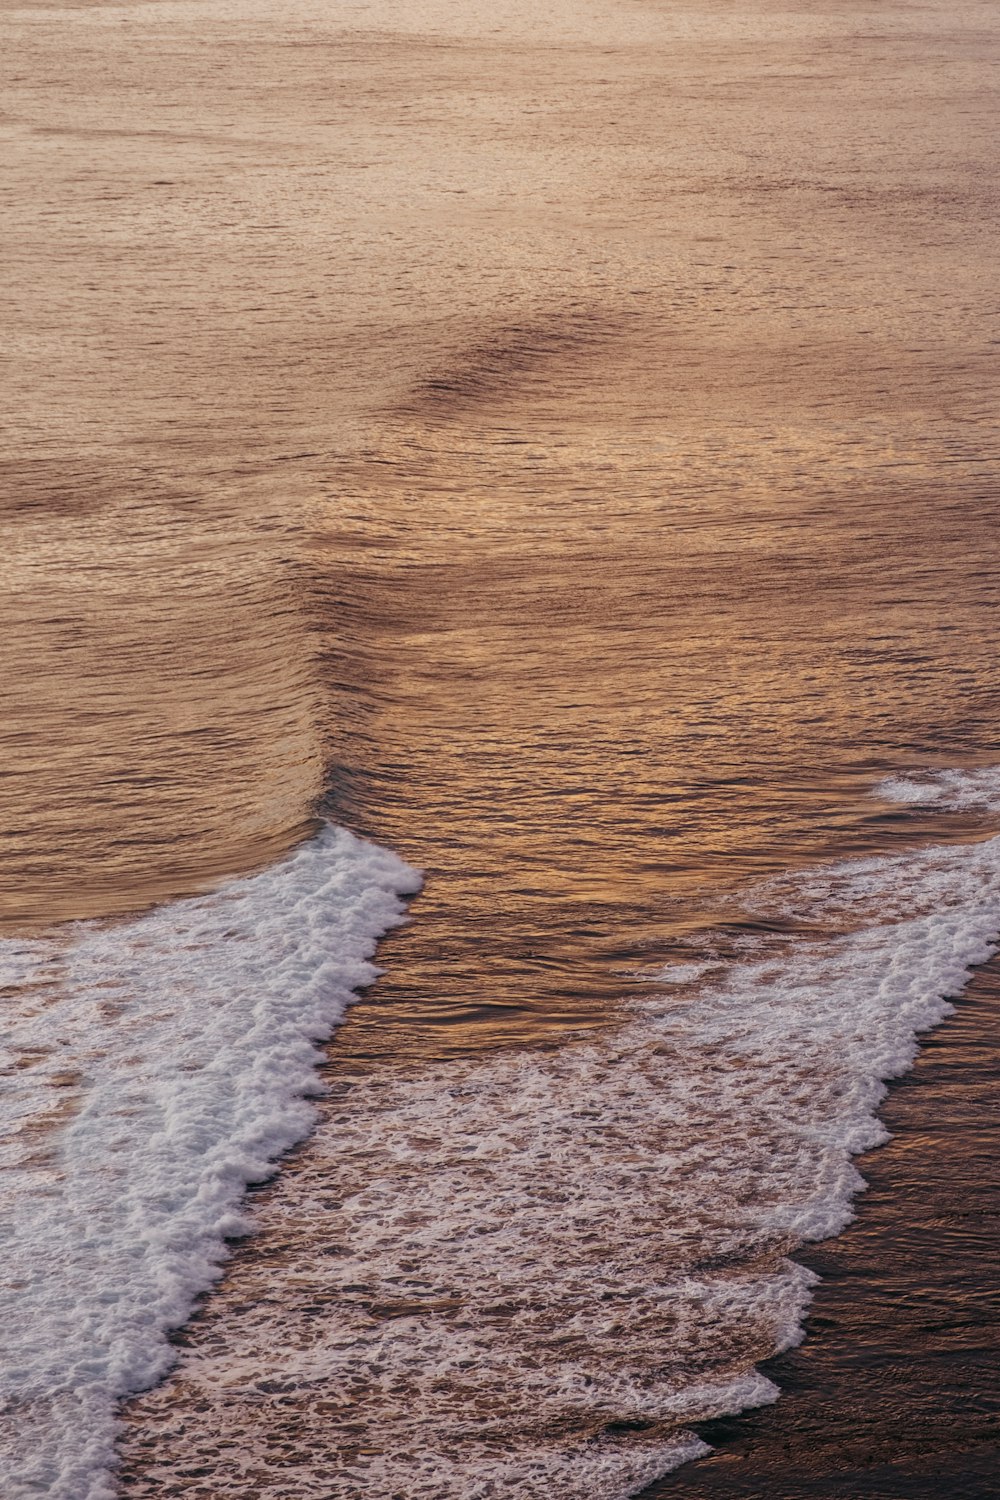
{"points": [[154, 1069]]}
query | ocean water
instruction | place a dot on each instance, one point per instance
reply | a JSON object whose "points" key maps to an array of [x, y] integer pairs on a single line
{"points": [[521, 1270], [536, 1264], [527, 1271], [562, 451]]}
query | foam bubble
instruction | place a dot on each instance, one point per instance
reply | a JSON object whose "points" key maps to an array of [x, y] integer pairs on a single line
{"points": [[154, 1069]]}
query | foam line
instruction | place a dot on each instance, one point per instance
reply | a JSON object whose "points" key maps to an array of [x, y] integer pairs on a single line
{"points": [[154, 1069]]}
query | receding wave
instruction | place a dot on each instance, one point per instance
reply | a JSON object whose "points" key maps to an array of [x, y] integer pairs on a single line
{"points": [[154, 1069], [525, 1273]]}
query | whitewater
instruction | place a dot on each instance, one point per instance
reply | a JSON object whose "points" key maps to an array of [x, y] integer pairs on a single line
{"points": [[153, 1069], [541, 1263]]}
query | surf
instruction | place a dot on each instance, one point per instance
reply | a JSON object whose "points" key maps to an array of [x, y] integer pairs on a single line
{"points": [[155, 1068]]}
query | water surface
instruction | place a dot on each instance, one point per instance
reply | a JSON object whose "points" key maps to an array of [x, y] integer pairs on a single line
{"points": [[564, 450]]}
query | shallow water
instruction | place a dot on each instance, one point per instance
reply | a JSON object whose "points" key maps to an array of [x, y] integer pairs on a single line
{"points": [[540, 1265], [564, 450], [893, 1393]]}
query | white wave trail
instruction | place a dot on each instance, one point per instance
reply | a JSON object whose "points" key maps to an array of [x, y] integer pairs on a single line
{"points": [[153, 1069], [976, 790], [541, 1264]]}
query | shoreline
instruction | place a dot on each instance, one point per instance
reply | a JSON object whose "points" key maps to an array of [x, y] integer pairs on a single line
{"points": [[894, 1390]]}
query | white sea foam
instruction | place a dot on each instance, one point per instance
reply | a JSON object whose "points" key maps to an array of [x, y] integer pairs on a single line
{"points": [[520, 1275], [515, 1275], [957, 791], [153, 1069], [678, 973]]}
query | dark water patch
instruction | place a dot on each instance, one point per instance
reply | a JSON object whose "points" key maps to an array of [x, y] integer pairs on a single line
{"points": [[515, 358]]}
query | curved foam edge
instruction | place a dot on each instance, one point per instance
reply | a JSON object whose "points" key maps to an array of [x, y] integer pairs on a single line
{"points": [[156, 1068]]}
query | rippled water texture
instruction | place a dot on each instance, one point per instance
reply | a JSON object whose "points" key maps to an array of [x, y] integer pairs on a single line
{"points": [[561, 446]]}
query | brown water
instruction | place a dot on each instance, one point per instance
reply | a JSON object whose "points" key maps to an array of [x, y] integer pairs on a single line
{"points": [[563, 448]]}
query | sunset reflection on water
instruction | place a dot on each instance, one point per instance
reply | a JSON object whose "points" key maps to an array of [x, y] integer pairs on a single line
{"points": [[559, 445]]}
